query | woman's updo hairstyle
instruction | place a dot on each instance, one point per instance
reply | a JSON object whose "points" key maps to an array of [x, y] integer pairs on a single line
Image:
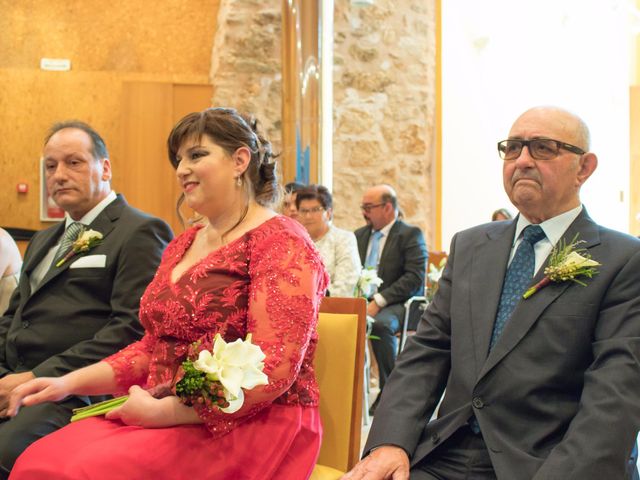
{"points": [[231, 130]]}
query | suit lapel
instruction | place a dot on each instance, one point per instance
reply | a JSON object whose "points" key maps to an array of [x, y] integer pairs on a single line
{"points": [[363, 242], [38, 249], [103, 224], [528, 311], [488, 267], [45, 241]]}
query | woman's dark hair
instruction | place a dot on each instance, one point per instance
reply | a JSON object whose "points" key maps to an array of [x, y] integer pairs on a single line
{"points": [[293, 187], [231, 130], [315, 192]]}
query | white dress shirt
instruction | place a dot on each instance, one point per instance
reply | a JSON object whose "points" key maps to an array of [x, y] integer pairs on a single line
{"points": [[553, 228]]}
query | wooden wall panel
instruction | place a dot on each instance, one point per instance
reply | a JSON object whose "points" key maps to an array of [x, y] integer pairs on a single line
{"points": [[149, 111], [146, 121], [128, 41], [32, 100]]}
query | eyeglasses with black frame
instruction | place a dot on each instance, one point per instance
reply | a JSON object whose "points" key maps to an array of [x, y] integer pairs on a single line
{"points": [[367, 207], [539, 148]]}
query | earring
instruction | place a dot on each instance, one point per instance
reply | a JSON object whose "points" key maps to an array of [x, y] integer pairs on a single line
{"points": [[238, 181]]}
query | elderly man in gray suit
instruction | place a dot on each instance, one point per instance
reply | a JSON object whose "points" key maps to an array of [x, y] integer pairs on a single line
{"points": [[71, 309], [539, 388], [398, 252]]}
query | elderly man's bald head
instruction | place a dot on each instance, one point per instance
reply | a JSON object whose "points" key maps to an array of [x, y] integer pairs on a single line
{"points": [[543, 189]]}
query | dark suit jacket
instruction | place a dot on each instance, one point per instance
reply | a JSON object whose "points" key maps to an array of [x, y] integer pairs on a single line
{"points": [[403, 261], [557, 397], [78, 316]]}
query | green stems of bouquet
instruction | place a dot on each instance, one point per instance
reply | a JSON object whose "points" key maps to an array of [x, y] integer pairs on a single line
{"points": [[98, 408]]}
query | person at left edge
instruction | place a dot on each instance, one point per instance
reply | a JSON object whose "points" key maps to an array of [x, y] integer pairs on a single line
{"points": [[61, 318]]}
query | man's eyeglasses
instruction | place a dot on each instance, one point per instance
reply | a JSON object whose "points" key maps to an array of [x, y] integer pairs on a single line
{"points": [[307, 211], [539, 148], [367, 207]]}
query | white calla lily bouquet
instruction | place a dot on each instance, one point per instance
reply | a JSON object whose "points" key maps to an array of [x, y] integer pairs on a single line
{"points": [[216, 379]]}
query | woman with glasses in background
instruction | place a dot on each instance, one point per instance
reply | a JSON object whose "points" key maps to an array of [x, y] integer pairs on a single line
{"points": [[338, 247]]}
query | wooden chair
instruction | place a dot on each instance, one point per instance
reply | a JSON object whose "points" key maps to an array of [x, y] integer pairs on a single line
{"points": [[339, 365]]}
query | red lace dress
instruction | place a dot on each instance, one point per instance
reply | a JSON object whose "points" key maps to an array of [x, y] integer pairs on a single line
{"points": [[268, 282]]}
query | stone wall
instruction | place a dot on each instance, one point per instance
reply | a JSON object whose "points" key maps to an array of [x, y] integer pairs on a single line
{"points": [[246, 62], [384, 107], [384, 94]]}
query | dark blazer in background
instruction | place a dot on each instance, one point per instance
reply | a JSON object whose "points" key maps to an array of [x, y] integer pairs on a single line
{"points": [[557, 397], [403, 261]]}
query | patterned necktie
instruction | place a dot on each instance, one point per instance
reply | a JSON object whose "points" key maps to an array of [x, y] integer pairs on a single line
{"points": [[518, 278], [372, 258], [70, 236]]}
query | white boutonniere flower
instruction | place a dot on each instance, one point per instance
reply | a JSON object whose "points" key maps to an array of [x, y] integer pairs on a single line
{"points": [[566, 262], [87, 239]]}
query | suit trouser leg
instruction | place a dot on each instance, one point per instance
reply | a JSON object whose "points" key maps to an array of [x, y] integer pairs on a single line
{"points": [[31, 423], [463, 456], [385, 326]]}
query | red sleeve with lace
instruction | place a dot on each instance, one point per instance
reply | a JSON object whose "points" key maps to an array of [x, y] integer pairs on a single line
{"points": [[131, 364]]}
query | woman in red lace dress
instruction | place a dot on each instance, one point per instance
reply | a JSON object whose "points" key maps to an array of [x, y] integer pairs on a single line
{"points": [[247, 270]]}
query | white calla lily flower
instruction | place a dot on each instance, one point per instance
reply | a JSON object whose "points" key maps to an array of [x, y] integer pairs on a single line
{"points": [[235, 365]]}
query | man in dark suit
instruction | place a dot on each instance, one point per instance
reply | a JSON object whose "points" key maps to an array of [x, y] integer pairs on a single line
{"points": [[66, 314], [398, 252], [540, 388]]}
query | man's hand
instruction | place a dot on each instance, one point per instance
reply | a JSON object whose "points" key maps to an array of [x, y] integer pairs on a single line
{"points": [[372, 308], [35, 391], [384, 463], [7, 384]]}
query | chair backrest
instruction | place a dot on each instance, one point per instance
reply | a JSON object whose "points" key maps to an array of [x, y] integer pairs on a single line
{"points": [[436, 257], [339, 365]]}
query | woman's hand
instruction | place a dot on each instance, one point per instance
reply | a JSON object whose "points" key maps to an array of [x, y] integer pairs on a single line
{"points": [[36, 391], [143, 410]]}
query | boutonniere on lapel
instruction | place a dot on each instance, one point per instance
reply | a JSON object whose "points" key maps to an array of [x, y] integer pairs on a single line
{"points": [[87, 239], [566, 262]]}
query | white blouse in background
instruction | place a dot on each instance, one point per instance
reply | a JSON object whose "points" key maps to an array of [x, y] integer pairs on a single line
{"points": [[339, 251]]}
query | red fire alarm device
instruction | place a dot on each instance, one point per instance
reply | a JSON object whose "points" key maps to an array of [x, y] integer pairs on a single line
{"points": [[22, 188]]}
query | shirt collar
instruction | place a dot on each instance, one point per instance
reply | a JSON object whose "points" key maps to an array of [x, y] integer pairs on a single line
{"points": [[92, 214], [553, 228], [386, 229]]}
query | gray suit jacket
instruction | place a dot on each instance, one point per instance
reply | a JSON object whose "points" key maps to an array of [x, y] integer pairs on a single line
{"points": [[78, 316], [403, 261], [557, 397]]}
